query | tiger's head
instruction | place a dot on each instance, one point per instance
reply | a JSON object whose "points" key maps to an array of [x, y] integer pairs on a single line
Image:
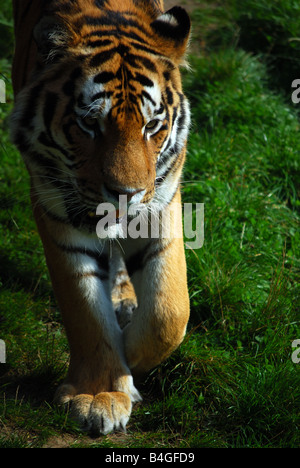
{"points": [[104, 114]]}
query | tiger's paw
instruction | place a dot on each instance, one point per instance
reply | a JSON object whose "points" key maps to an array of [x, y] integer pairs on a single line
{"points": [[100, 414]]}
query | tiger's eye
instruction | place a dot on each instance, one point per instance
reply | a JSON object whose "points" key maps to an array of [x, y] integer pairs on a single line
{"points": [[152, 124], [89, 121]]}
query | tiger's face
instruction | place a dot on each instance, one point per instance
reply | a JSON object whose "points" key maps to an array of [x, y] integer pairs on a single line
{"points": [[110, 119]]}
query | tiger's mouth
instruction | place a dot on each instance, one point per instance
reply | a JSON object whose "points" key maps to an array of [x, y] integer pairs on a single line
{"points": [[89, 218], [114, 217]]}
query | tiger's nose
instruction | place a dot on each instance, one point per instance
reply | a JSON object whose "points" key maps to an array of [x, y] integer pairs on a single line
{"points": [[112, 194]]}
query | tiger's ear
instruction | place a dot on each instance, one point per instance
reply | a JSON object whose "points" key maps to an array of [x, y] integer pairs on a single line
{"points": [[51, 37], [173, 27]]}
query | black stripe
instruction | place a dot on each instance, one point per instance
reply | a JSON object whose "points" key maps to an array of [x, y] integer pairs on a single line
{"points": [[80, 102], [169, 93], [100, 4], [98, 43], [21, 142], [135, 263], [122, 50], [53, 216], [132, 60], [69, 86], [102, 57], [131, 35], [95, 274], [144, 48], [133, 98], [138, 260], [50, 104], [101, 95], [30, 110], [147, 96], [175, 111], [48, 141], [156, 247], [69, 6], [43, 161], [182, 118], [163, 127], [160, 110], [66, 129], [168, 158], [113, 18], [77, 165], [124, 75], [143, 80], [102, 260], [50, 179], [104, 77], [147, 63]]}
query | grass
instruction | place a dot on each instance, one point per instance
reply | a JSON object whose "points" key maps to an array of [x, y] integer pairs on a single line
{"points": [[232, 383]]}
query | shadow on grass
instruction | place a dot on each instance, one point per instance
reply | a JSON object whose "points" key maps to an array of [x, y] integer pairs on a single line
{"points": [[15, 276], [37, 387]]}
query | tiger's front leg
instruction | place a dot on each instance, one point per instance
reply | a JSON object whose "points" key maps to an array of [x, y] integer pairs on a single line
{"points": [[159, 323], [99, 386]]}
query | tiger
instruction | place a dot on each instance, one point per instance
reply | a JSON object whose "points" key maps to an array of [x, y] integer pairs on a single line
{"points": [[99, 115]]}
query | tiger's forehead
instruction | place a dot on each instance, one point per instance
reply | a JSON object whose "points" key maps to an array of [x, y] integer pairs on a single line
{"points": [[118, 88]]}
